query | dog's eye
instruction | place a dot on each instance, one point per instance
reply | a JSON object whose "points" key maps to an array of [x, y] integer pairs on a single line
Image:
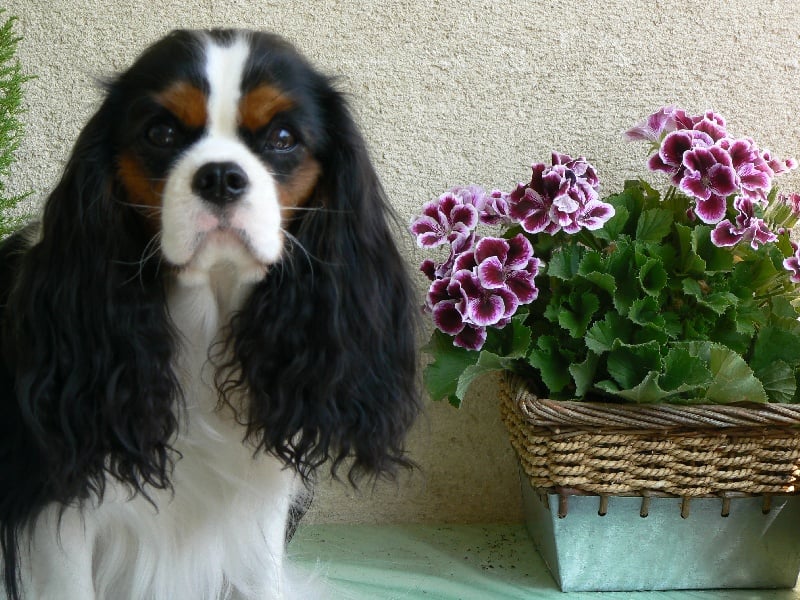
{"points": [[162, 135], [281, 139]]}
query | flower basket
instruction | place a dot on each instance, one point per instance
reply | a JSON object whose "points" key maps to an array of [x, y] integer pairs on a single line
{"points": [[646, 450], [698, 464], [663, 327]]}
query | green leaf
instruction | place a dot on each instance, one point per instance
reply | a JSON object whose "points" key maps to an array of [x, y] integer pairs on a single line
{"points": [[783, 308], [779, 380], [583, 374], [684, 372], [629, 364], [689, 262], [627, 208], [652, 277], [646, 311], [615, 225], [719, 302], [647, 391], [775, 343], [576, 316], [441, 376], [487, 363], [592, 268], [733, 381], [717, 259], [512, 341], [565, 261], [552, 364], [754, 274], [601, 336], [654, 225], [620, 262], [747, 316]]}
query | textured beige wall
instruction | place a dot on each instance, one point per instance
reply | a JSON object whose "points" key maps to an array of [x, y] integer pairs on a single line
{"points": [[449, 92]]}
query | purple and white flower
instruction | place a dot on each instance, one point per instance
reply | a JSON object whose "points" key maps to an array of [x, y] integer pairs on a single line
{"points": [[710, 178], [792, 264], [747, 227], [445, 219], [563, 196], [665, 120]]}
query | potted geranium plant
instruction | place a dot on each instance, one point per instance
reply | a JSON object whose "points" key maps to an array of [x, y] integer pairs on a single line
{"points": [[630, 314]]}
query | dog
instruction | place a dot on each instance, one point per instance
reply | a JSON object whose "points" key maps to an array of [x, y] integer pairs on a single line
{"points": [[211, 310]]}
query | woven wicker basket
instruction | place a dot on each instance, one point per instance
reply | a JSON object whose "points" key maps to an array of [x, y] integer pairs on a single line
{"points": [[658, 450]]}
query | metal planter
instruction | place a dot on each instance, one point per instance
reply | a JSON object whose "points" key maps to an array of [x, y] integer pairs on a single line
{"points": [[754, 546]]}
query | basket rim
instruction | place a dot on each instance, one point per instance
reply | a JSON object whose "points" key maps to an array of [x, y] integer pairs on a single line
{"points": [[543, 412]]}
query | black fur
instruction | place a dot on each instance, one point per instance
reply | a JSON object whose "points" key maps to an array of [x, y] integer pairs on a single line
{"points": [[325, 346]]}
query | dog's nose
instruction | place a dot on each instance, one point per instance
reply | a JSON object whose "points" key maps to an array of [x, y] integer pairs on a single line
{"points": [[220, 182]]}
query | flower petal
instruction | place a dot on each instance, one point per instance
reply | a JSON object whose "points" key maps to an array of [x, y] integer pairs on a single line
{"points": [[447, 318], [491, 273], [485, 309], [712, 210], [471, 338], [520, 252], [725, 234], [491, 246], [521, 284]]}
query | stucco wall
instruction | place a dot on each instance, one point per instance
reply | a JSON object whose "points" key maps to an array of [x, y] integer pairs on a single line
{"points": [[452, 92]]}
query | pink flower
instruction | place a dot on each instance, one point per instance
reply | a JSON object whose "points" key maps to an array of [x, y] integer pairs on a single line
{"points": [[561, 196], [665, 120], [669, 158], [747, 228], [496, 209], [480, 285], [710, 178], [779, 166], [458, 247], [594, 215], [530, 209], [471, 337], [478, 305], [792, 264], [711, 124], [508, 264], [792, 201], [451, 216], [754, 173]]}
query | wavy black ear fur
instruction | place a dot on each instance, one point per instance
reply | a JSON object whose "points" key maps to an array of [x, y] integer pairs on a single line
{"points": [[86, 386], [326, 343]]}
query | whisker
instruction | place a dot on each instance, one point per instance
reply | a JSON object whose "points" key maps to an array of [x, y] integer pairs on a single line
{"points": [[150, 251], [320, 209], [296, 242], [144, 207]]}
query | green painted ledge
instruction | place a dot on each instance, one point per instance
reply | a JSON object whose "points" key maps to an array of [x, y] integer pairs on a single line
{"points": [[454, 562]]}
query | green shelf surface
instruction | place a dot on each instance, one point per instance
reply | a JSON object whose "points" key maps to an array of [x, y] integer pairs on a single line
{"points": [[453, 562]]}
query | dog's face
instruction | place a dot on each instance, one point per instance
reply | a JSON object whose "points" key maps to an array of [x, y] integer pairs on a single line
{"points": [[218, 147]]}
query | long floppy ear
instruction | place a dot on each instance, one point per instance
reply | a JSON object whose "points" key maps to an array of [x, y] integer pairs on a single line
{"points": [[326, 344], [87, 387]]}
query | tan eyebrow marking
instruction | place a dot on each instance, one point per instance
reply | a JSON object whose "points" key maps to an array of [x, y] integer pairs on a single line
{"points": [[260, 105], [187, 102]]}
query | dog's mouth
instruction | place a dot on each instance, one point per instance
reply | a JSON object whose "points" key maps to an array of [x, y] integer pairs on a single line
{"points": [[229, 248]]}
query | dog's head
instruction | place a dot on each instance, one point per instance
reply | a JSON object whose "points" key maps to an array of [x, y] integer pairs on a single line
{"points": [[221, 139]]}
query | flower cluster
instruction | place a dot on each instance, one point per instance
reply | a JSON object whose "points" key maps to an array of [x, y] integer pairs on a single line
{"points": [[710, 166], [647, 295], [484, 280], [563, 196]]}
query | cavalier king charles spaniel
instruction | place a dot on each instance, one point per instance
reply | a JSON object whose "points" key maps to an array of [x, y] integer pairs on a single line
{"points": [[211, 308]]}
